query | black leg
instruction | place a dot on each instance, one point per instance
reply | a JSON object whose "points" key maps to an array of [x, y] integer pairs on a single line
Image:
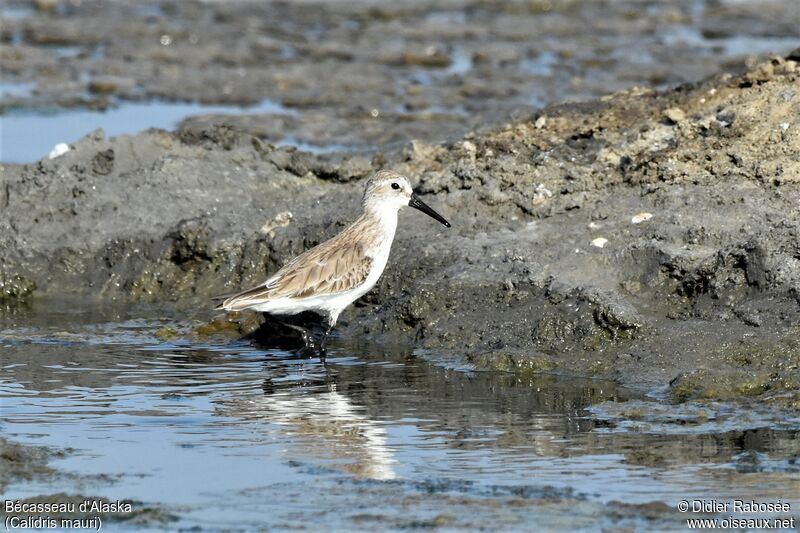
{"points": [[305, 334], [324, 339]]}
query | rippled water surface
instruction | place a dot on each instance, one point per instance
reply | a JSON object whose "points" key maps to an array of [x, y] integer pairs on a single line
{"points": [[225, 434]]}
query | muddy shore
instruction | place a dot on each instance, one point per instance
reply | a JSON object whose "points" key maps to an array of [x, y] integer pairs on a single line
{"points": [[695, 294]]}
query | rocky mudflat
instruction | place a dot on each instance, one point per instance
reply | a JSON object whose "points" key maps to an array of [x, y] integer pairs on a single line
{"points": [[646, 236], [367, 75]]}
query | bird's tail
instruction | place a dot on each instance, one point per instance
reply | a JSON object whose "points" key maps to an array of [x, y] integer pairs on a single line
{"points": [[220, 300]]}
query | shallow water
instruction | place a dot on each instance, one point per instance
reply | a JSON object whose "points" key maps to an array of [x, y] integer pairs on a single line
{"points": [[221, 432], [28, 136]]}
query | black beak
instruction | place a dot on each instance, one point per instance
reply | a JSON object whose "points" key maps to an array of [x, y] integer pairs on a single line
{"points": [[416, 203]]}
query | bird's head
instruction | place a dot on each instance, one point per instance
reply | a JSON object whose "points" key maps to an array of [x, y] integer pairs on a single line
{"points": [[389, 191]]}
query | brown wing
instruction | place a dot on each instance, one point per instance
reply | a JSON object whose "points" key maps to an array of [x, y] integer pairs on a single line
{"points": [[334, 266]]}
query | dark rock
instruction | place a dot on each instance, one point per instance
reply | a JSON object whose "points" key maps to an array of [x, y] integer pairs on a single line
{"points": [[103, 162]]}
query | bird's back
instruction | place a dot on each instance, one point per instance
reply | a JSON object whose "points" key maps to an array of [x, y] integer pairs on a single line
{"points": [[336, 266]]}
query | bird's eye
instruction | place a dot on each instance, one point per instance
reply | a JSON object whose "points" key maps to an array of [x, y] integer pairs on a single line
{"points": [[395, 185]]}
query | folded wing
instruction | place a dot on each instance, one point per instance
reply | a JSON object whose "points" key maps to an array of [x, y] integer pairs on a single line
{"points": [[326, 269]]}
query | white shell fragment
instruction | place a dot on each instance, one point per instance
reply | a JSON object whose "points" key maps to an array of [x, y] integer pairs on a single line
{"points": [[641, 217], [599, 242], [59, 149], [281, 220], [541, 194], [674, 115]]}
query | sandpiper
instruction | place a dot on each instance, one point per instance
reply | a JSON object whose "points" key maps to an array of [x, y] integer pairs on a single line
{"points": [[332, 275]]}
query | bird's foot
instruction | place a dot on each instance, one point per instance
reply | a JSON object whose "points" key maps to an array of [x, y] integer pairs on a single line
{"points": [[310, 346], [323, 342]]}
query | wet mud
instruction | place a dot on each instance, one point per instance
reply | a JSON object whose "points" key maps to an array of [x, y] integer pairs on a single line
{"points": [[22, 462]]}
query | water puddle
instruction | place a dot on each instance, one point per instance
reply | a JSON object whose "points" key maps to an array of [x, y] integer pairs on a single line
{"points": [[223, 432], [16, 11], [446, 18], [543, 64], [461, 62], [66, 51], [732, 46], [10, 89], [328, 148], [27, 136]]}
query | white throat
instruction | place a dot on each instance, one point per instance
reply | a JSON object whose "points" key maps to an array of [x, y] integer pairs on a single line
{"points": [[385, 214]]}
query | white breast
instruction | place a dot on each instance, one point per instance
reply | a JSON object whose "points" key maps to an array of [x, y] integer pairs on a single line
{"points": [[335, 303]]}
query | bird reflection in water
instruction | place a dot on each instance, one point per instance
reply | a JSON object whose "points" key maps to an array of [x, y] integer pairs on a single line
{"points": [[301, 396]]}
